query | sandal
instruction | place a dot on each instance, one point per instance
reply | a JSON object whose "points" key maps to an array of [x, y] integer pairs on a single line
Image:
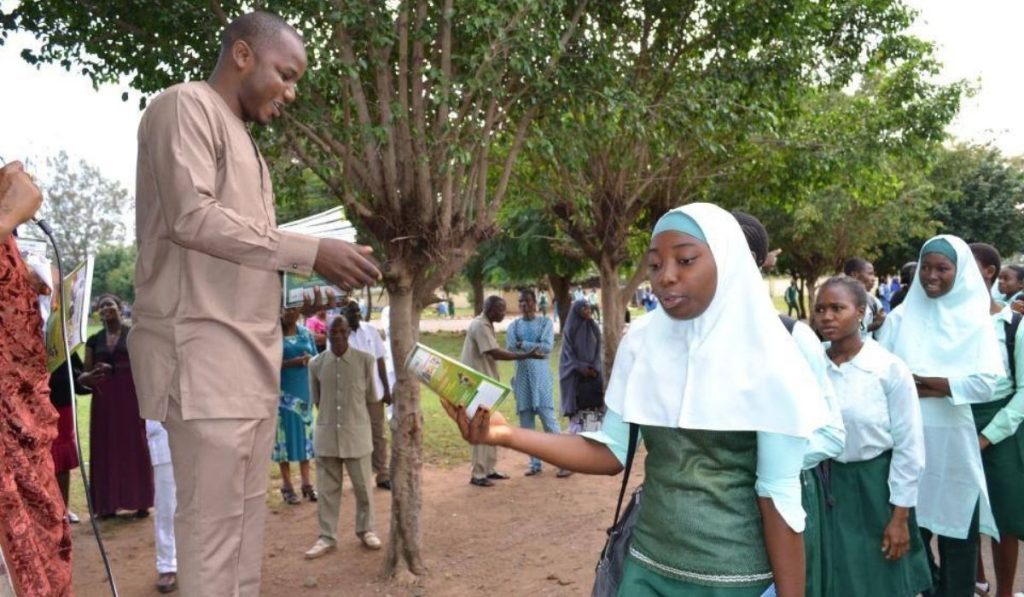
{"points": [[289, 497], [309, 493], [167, 582]]}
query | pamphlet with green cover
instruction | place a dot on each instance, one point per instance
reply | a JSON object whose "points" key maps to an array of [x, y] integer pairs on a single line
{"points": [[455, 382]]}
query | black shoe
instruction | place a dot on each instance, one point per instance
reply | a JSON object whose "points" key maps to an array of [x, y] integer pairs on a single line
{"points": [[309, 493], [142, 513], [498, 476], [385, 485], [532, 472], [485, 482]]}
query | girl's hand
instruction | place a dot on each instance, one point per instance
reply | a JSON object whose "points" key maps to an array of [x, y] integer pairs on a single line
{"points": [[896, 537], [485, 427]]}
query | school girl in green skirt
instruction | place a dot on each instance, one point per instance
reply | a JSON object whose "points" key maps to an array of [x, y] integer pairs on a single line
{"points": [[874, 535], [721, 513], [824, 444], [943, 332], [1000, 436]]}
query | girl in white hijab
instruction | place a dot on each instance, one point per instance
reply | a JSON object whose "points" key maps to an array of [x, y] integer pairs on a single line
{"points": [[944, 333], [724, 401]]}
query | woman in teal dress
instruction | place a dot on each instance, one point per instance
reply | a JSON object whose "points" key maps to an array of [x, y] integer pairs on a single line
{"points": [[294, 441], [1001, 437], [721, 513]]}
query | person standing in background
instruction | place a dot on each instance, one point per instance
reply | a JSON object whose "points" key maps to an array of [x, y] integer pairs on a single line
{"points": [[294, 442], [366, 338], [165, 503], [341, 384], [580, 371], [532, 383], [864, 272], [317, 325], [120, 470], [480, 351]]}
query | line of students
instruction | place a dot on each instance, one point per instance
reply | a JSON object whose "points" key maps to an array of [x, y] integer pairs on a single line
{"points": [[741, 433]]}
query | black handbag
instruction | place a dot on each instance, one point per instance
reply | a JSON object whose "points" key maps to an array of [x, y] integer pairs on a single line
{"points": [[613, 556], [589, 392]]}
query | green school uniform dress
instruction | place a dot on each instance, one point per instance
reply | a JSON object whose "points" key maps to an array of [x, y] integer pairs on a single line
{"points": [[999, 421]]}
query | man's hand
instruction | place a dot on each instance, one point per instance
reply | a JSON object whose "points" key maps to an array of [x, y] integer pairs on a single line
{"points": [[325, 300], [983, 442], [345, 264], [769, 261], [19, 197], [534, 354]]}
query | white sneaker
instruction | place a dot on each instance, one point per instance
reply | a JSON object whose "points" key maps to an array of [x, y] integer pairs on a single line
{"points": [[319, 548], [73, 518], [370, 540]]}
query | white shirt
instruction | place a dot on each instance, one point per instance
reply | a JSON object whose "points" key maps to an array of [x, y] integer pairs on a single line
{"points": [[881, 412], [367, 339], [827, 441], [953, 482]]}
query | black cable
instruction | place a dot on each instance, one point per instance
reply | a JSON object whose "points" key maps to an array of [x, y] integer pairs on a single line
{"points": [[59, 288]]}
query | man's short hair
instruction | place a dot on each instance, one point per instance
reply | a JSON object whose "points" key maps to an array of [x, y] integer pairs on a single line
{"points": [[254, 28], [855, 265], [492, 301]]}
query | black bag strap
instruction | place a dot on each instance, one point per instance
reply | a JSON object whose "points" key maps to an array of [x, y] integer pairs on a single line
{"points": [[789, 322], [634, 434], [1011, 344]]}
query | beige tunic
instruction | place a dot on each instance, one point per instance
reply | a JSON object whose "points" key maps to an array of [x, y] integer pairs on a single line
{"points": [[480, 339], [342, 387], [208, 291]]}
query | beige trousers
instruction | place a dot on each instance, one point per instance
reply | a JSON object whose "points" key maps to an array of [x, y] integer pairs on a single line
{"points": [[380, 441], [220, 469], [485, 458], [328, 486]]}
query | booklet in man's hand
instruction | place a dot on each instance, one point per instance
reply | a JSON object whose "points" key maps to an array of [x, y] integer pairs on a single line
{"points": [[455, 382]]}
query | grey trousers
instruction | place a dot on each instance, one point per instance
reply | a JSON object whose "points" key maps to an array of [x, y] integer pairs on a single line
{"points": [[485, 458], [378, 428], [328, 485]]}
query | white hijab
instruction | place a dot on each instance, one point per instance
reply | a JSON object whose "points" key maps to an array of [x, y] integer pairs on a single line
{"points": [[733, 368], [952, 335]]}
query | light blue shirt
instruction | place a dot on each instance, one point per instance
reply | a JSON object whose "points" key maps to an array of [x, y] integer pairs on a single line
{"points": [[1005, 422]]}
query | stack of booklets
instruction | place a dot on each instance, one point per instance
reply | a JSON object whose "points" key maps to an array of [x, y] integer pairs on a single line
{"points": [[328, 224]]}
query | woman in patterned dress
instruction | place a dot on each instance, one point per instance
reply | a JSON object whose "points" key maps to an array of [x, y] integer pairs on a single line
{"points": [[294, 441]]}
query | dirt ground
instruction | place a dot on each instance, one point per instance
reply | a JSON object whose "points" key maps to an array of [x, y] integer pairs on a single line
{"points": [[534, 536]]}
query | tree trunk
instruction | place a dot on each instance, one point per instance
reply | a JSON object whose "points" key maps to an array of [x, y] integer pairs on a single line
{"points": [[369, 303], [560, 296], [478, 295], [808, 282], [613, 311], [403, 551]]}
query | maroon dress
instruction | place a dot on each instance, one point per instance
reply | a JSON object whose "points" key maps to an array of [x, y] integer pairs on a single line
{"points": [[35, 537], [120, 472]]}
